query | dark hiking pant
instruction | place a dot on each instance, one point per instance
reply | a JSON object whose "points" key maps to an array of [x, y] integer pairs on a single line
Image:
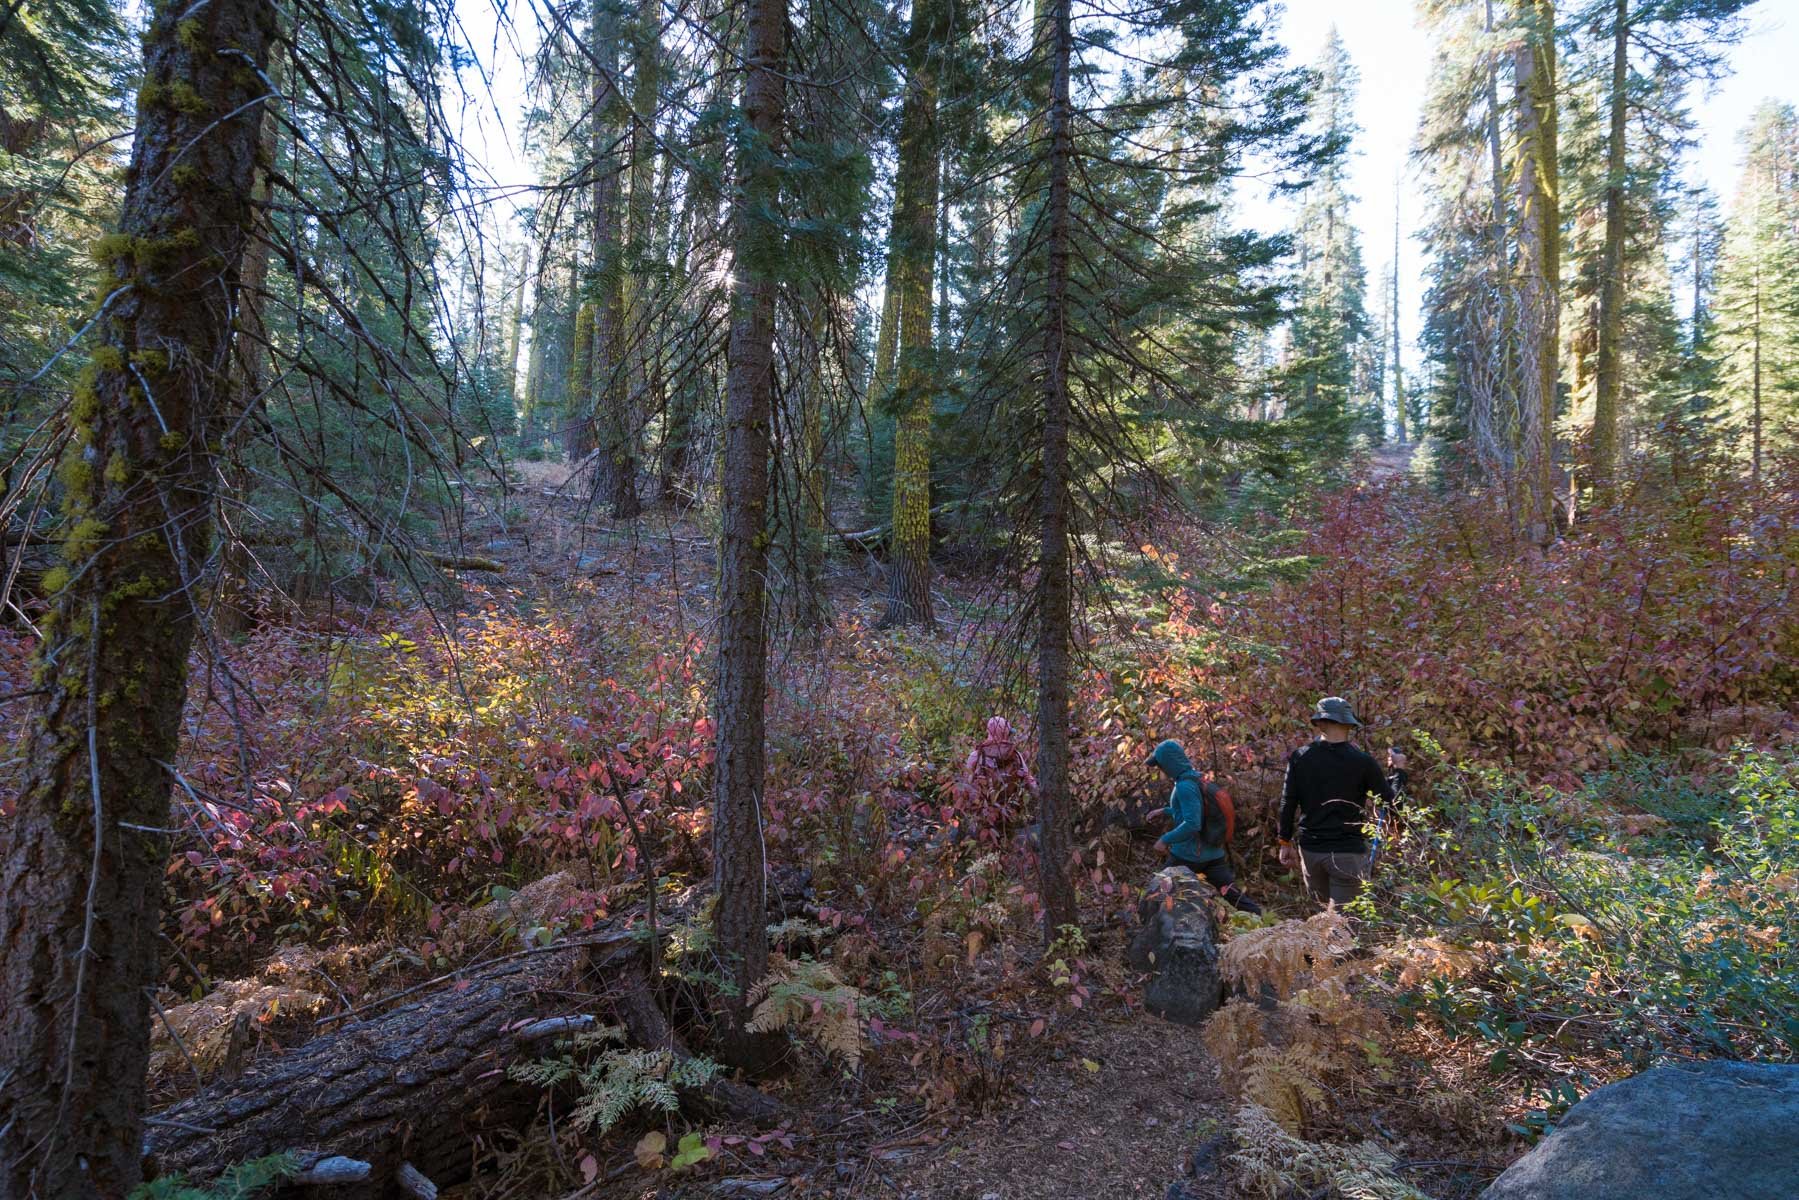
{"points": [[1335, 875]]}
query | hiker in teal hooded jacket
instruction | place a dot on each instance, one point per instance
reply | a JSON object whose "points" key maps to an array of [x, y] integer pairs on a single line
{"points": [[1186, 842]]}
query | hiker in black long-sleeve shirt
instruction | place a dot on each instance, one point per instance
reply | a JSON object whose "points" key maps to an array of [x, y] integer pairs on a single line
{"points": [[1324, 806]]}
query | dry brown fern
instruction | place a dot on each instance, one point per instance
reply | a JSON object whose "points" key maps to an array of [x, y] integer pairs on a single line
{"points": [[1287, 956], [1270, 1162], [1432, 958], [1287, 1082], [808, 995]]}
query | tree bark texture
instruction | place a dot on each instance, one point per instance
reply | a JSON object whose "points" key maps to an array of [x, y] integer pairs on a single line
{"points": [[1539, 253], [1607, 389], [739, 862], [615, 479], [914, 259], [414, 1084], [640, 341], [81, 863], [1055, 583], [578, 441], [1494, 421]]}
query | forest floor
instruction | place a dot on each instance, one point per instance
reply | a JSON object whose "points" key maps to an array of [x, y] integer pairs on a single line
{"points": [[1118, 1116]]}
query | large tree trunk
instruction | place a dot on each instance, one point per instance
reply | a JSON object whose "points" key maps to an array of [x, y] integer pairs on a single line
{"points": [[1495, 419], [422, 1083], [1539, 253], [515, 328], [578, 439], [914, 258], [615, 478], [81, 863], [579, 424], [640, 342], [1055, 586], [534, 360], [1607, 384], [737, 845], [1399, 412]]}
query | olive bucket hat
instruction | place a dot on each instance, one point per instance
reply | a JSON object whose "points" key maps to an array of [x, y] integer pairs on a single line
{"points": [[1334, 708]]}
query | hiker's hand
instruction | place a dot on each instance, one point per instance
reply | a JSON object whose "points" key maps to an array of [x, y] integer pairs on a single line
{"points": [[1162, 848], [1396, 759], [1289, 856]]}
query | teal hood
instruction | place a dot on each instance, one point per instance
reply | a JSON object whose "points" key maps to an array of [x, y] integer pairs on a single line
{"points": [[1172, 759]]}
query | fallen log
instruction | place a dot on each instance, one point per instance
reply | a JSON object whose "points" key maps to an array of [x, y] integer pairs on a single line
{"points": [[464, 562], [415, 1084]]}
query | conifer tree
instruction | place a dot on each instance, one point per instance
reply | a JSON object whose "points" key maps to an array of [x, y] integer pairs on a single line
{"points": [[739, 870], [1330, 328], [1652, 51], [1757, 303]]}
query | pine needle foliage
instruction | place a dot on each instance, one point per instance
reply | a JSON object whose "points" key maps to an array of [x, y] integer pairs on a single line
{"points": [[615, 1080]]}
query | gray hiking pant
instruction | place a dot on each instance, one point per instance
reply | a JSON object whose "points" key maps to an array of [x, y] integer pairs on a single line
{"points": [[1335, 875]]}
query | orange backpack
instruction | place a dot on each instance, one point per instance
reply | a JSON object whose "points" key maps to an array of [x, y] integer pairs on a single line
{"points": [[1220, 815]]}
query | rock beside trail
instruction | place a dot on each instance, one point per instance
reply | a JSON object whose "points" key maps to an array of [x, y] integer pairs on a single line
{"points": [[1689, 1132], [1178, 945]]}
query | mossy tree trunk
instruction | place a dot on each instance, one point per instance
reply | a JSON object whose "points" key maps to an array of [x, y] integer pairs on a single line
{"points": [[740, 871], [81, 863], [579, 441], [579, 423], [913, 261], [1539, 255], [529, 407]]}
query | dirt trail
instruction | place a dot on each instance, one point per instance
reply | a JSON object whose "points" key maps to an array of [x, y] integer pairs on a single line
{"points": [[1071, 1132], [1391, 460]]}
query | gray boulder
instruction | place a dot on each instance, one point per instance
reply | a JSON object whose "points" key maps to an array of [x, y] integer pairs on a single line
{"points": [[1695, 1131], [1178, 946]]}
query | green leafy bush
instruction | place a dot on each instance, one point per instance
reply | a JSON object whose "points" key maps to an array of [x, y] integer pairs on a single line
{"points": [[1690, 951]]}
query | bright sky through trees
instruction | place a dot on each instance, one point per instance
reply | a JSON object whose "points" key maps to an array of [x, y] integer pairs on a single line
{"points": [[1393, 55], [1389, 49]]}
